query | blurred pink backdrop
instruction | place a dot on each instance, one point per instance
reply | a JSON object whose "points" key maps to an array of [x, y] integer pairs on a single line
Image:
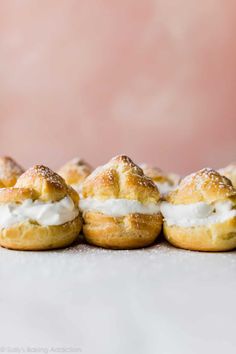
{"points": [[155, 79]]}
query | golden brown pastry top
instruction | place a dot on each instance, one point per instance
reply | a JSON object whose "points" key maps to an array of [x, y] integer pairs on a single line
{"points": [[229, 172], [157, 175], [120, 178], [205, 185], [16, 195], [10, 171], [44, 185], [75, 171]]}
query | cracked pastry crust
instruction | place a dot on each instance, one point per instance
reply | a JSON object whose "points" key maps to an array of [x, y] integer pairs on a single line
{"points": [[121, 179], [75, 171], [39, 183], [206, 186], [10, 171]]}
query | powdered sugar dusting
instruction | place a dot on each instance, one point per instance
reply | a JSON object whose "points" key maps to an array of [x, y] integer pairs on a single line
{"points": [[123, 165], [66, 297], [128, 166], [208, 178], [47, 174], [109, 175]]}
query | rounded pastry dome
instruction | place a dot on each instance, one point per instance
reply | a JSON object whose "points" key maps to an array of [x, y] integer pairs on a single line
{"points": [[120, 178], [206, 185], [10, 171], [75, 171]]}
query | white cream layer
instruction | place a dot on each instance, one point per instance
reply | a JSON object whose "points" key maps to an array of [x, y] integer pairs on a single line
{"points": [[118, 207], [164, 187], [45, 214], [197, 214]]}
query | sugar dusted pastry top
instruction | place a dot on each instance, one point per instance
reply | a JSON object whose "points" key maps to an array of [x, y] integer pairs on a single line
{"points": [[44, 184], [16, 195], [120, 178], [205, 185], [10, 171], [75, 171], [229, 172]]}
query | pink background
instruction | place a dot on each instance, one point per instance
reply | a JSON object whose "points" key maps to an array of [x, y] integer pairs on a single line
{"points": [[153, 79]]}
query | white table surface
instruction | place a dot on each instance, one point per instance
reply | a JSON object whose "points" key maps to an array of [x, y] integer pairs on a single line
{"points": [[155, 300]]}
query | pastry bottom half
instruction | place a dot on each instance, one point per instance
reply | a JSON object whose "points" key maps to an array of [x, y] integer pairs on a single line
{"points": [[33, 237], [215, 237], [126, 232]]}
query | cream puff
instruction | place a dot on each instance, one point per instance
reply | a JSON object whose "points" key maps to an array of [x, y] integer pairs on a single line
{"points": [[165, 182], [120, 205], [10, 171], [200, 214], [75, 171], [39, 213], [229, 172]]}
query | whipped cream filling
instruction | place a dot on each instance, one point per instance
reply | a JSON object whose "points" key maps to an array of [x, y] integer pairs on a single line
{"points": [[118, 207], [197, 214], [45, 214], [164, 187]]}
